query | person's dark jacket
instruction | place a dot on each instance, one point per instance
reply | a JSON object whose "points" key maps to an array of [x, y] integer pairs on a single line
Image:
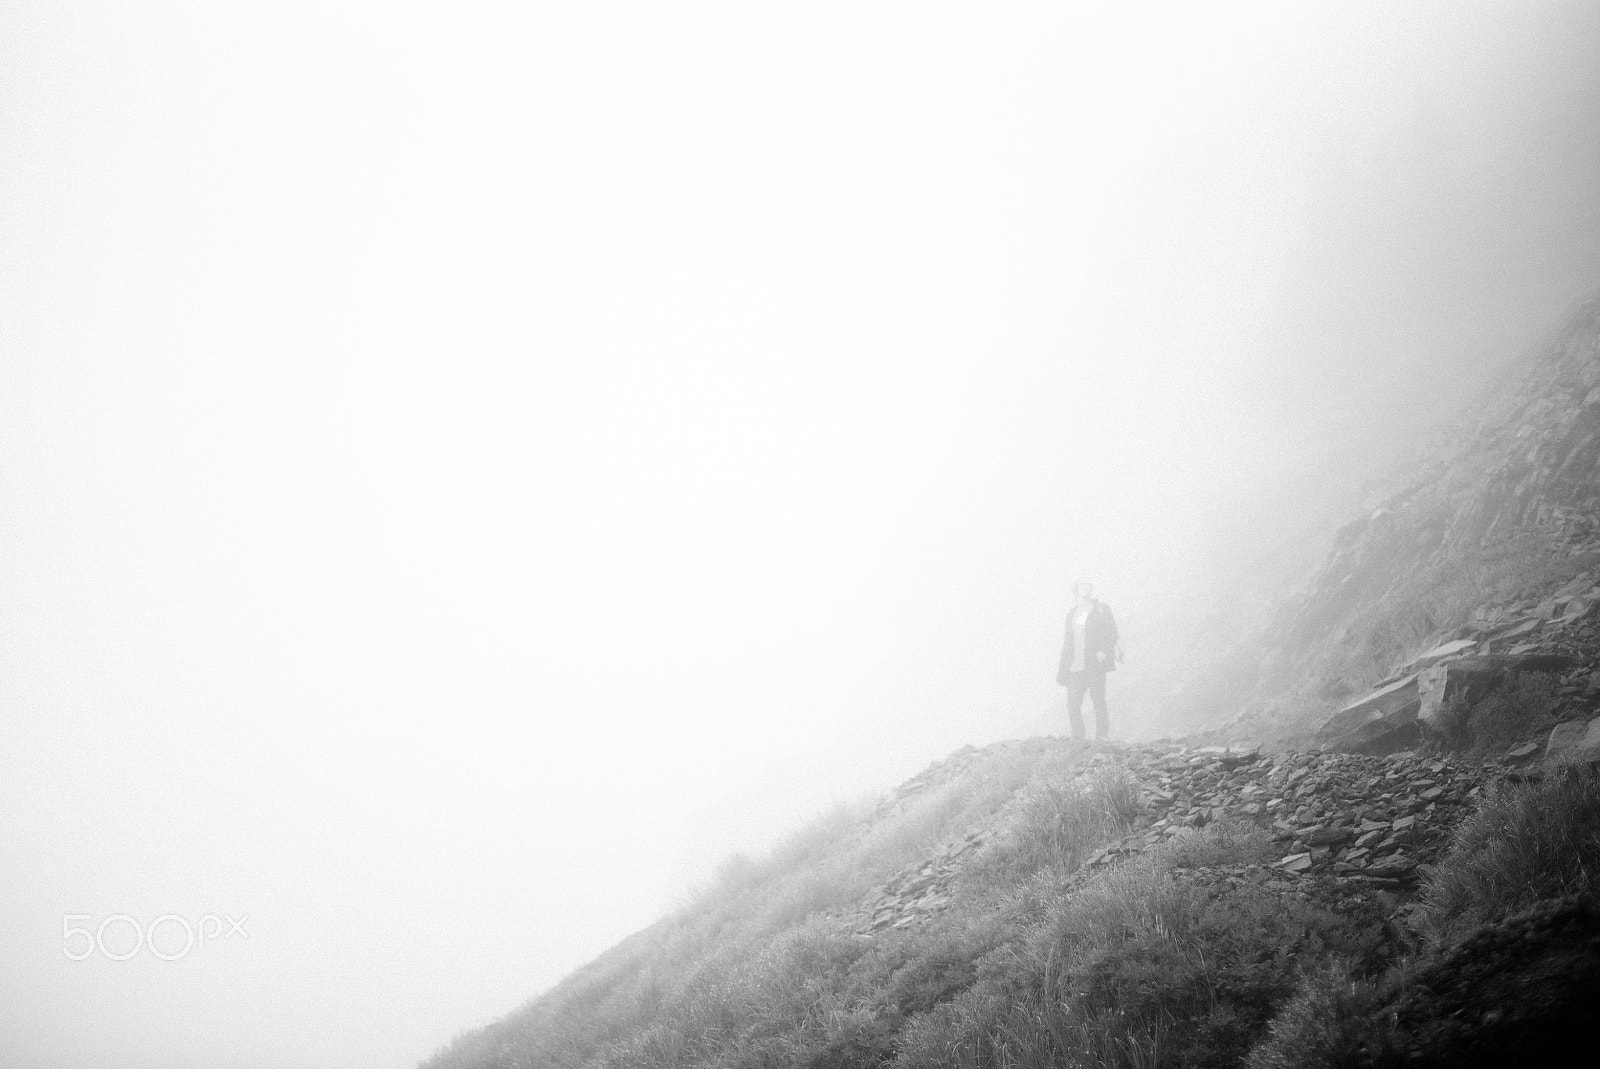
{"points": [[1099, 636]]}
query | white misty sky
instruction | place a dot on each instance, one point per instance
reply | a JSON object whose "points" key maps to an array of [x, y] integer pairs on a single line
{"points": [[465, 467]]}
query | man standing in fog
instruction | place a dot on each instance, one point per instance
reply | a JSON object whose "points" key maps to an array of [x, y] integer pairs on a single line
{"points": [[1090, 650]]}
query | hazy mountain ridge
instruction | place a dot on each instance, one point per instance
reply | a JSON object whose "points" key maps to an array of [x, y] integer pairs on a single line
{"points": [[1521, 464], [1045, 903]]}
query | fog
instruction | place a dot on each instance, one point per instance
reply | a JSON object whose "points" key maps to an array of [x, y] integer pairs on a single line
{"points": [[467, 468]]}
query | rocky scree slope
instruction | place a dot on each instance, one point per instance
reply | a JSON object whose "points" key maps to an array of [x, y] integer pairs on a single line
{"points": [[1372, 821]]}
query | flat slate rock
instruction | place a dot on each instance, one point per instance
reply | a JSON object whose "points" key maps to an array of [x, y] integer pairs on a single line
{"points": [[1439, 653]]}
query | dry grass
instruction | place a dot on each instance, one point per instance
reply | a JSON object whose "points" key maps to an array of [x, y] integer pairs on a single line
{"points": [[1523, 845], [1328, 1024], [1520, 851], [1055, 822], [1225, 843], [756, 969], [1139, 967]]}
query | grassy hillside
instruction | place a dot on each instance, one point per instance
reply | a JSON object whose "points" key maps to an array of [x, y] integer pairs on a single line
{"points": [[1201, 949]]}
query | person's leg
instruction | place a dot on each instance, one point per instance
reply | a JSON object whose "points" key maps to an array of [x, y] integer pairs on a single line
{"points": [[1076, 684], [1097, 693]]}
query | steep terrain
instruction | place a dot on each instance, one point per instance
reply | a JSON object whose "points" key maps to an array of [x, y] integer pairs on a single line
{"points": [[1382, 850], [1492, 525], [1044, 902]]}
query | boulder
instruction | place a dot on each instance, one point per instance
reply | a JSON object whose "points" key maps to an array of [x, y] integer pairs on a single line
{"points": [[1394, 703], [1573, 741], [1473, 677], [1379, 738]]}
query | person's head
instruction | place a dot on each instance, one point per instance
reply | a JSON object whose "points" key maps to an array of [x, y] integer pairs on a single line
{"points": [[1083, 593]]}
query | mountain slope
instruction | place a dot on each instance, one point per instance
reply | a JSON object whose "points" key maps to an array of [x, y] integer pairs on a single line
{"points": [[1045, 903]]}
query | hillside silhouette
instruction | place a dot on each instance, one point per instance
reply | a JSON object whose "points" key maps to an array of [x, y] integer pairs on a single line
{"points": [[1378, 847]]}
